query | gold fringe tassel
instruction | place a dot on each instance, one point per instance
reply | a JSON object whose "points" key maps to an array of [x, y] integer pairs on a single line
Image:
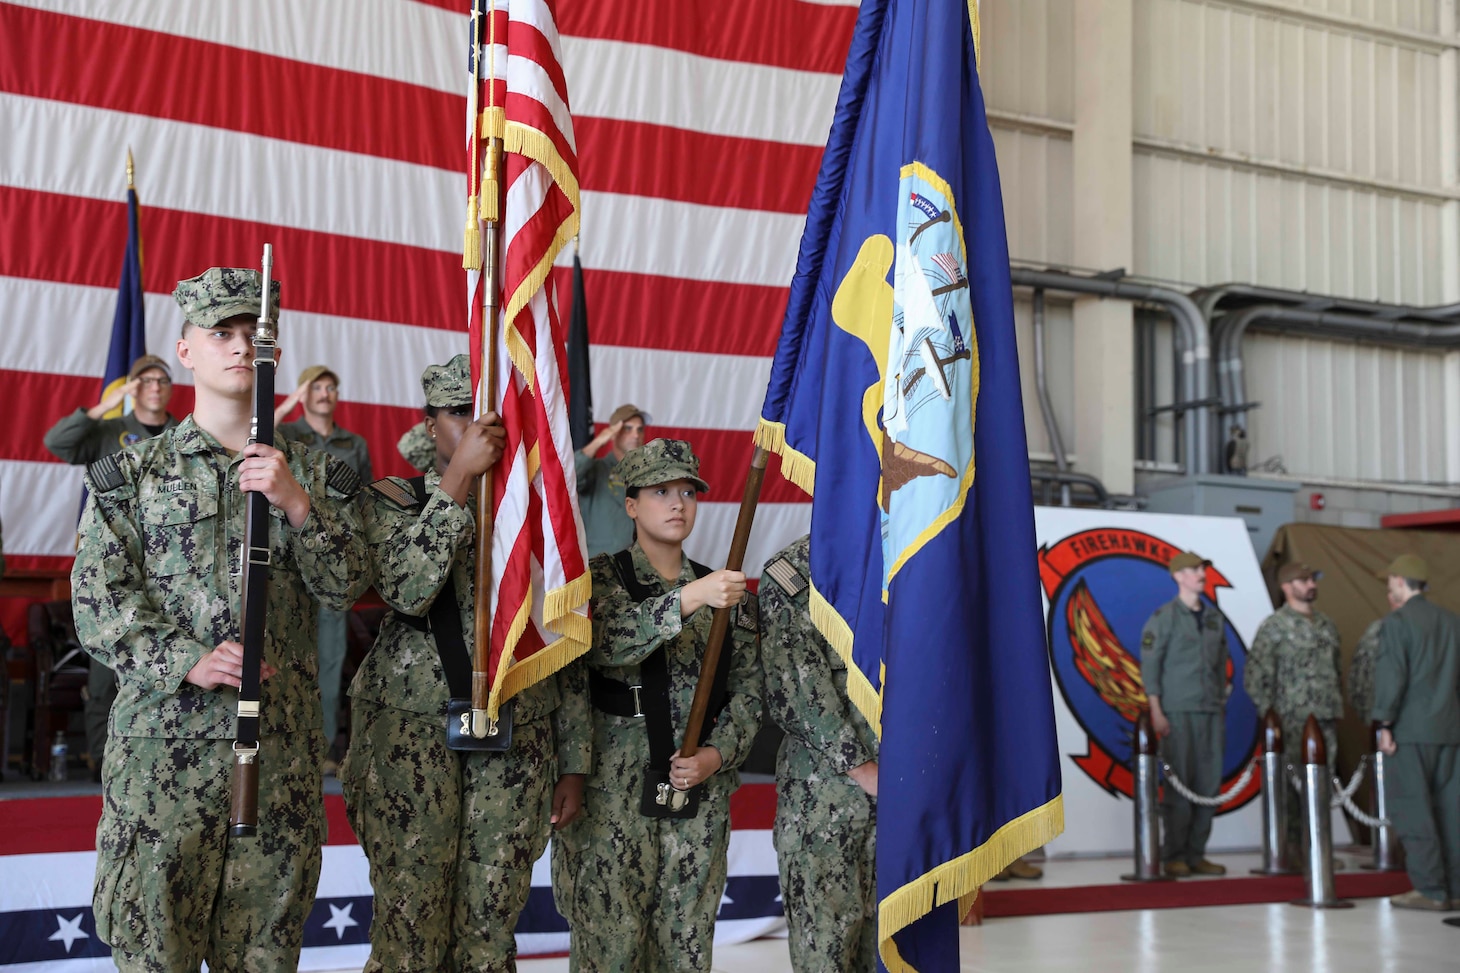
{"points": [[564, 600], [797, 467], [539, 666], [471, 247], [960, 878], [536, 146], [838, 634]]}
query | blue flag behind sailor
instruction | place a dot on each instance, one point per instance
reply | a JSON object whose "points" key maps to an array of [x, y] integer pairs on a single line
{"points": [[129, 324], [894, 399]]}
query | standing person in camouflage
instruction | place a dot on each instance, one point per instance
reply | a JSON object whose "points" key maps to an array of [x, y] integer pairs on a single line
{"points": [[416, 448], [1361, 666], [641, 893], [85, 436], [1184, 670], [451, 835], [1292, 669], [319, 391], [1417, 705], [826, 780], [156, 596], [601, 488]]}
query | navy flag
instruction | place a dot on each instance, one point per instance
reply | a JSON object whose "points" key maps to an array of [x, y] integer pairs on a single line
{"points": [[129, 324], [894, 400]]}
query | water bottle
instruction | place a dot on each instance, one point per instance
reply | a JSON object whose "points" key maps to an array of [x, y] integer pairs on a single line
{"points": [[58, 756]]}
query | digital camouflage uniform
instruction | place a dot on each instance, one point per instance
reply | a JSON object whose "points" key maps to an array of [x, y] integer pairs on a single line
{"points": [[156, 585], [451, 836], [79, 439], [349, 448], [1292, 668], [641, 893], [1186, 666], [1361, 670], [826, 825], [1417, 689], [417, 448]]}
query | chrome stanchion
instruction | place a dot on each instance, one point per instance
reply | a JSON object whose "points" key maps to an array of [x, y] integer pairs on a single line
{"points": [[1274, 800], [1316, 804], [1388, 853], [1146, 771]]}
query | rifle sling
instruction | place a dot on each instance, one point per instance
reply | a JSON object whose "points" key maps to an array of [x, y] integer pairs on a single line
{"points": [[654, 674]]}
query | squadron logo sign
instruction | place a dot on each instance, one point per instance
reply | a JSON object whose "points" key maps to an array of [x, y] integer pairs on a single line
{"points": [[1102, 585]]}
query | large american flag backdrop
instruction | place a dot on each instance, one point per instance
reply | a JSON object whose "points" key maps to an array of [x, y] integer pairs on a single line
{"points": [[333, 129]]}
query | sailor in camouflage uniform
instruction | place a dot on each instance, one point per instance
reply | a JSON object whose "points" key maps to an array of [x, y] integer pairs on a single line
{"points": [[156, 597], [417, 448], [641, 893], [1184, 672], [826, 780], [1292, 669], [451, 835]]}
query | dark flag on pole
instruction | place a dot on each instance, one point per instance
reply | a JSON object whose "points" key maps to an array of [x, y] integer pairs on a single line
{"points": [[129, 324], [580, 386]]}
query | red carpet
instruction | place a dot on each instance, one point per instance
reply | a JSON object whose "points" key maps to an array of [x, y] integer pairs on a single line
{"points": [[1183, 895], [39, 825]]}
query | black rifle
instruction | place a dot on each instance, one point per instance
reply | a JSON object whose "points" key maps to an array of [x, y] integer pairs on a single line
{"points": [[243, 819]]}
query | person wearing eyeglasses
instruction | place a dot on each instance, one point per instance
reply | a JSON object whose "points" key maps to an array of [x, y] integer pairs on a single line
{"points": [[85, 436]]}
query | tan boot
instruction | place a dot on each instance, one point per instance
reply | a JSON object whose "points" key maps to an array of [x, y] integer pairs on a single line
{"points": [[1415, 899], [1021, 869], [1178, 869]]}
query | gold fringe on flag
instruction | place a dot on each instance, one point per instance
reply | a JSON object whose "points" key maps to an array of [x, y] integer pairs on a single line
{"points": [[797, 467], [958, 880]]}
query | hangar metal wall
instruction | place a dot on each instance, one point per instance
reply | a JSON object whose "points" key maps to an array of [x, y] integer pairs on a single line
{"points": [[1303, 144]]}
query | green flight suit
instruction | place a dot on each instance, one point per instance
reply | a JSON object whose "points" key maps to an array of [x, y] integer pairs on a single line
{"points": [[1417, 689], [607, 528], [1185, 664], [451, 836], [156, 585]]}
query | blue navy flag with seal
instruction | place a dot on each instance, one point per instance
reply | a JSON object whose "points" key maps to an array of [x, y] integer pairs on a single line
{"points": [[894, 400], [129, 324]]}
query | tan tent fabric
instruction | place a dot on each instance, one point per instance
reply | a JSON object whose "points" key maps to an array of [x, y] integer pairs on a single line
{"points": [[1352, 596]]}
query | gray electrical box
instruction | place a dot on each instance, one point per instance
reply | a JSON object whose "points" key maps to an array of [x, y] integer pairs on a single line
{"points": [[1265, 504]]}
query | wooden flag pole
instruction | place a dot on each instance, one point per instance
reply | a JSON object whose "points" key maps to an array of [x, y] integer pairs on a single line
{"points": [[720, 625], [491, 195]]}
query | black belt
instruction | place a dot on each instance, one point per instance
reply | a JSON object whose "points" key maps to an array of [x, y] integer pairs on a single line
{"points": [[614, 697]]}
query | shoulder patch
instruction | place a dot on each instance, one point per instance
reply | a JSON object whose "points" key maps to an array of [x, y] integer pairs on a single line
{"points": [[391, 489], [341, 476], [105, 474], [785, 575], [747, 615], [1148, 640]]}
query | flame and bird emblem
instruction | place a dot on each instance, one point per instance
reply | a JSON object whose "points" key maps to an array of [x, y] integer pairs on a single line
{"points": [[1099, 656]]}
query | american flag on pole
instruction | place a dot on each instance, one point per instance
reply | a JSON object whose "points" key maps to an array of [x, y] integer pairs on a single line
{"points": [[518, 94]]}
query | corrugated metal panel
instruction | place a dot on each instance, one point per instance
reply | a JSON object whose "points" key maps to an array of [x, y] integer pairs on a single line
{"points": [[1029, 47], [1283, 90], [1204, 223], [1422, 16], [1036, 178], [1338, 409]]}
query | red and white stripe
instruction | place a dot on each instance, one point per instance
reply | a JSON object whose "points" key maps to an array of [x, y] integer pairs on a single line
{"points": [[333, 130], [518, 95]]}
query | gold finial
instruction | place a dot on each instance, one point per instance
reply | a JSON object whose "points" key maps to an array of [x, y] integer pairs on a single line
{"points": [[131, 170]]}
